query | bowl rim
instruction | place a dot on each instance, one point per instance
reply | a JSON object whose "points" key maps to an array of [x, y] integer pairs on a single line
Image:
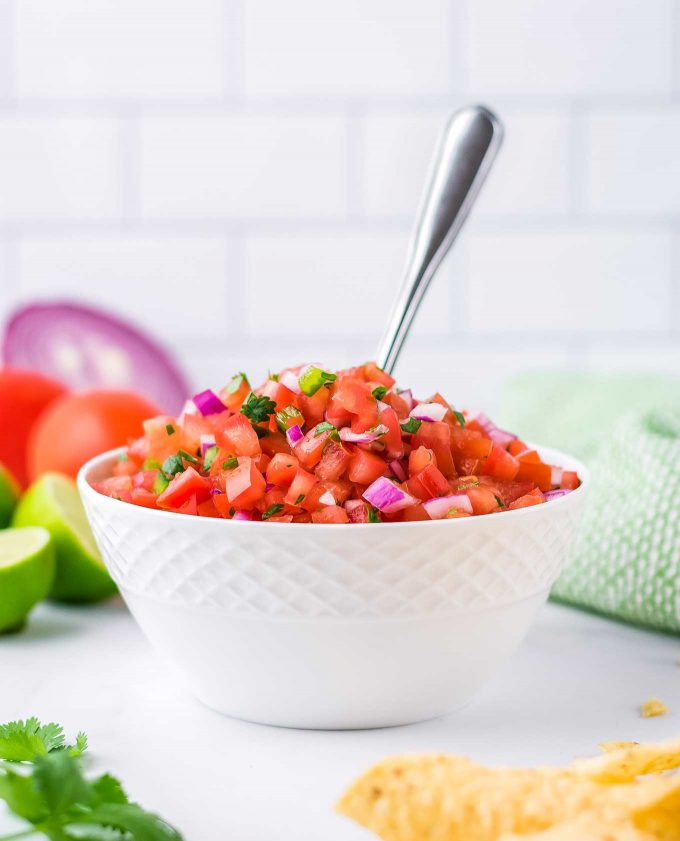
{"points": [[86, 489]]}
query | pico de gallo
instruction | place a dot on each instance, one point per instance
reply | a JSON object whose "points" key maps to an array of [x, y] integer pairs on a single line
{"points": [[316, 446]]}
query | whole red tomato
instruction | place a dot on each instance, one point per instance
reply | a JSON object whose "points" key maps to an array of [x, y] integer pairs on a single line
{"points": [[79, 426], [24, 395]]}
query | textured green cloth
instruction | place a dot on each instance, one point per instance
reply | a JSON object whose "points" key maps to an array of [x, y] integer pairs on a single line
{"points": [[625, 561]]}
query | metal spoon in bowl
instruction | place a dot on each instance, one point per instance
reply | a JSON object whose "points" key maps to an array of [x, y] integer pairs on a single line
{"points": [[467, 148]]}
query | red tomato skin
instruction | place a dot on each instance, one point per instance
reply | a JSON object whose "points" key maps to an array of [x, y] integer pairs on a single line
{"points": [[330, 514], [24, 396], [310, 449], [501, 464], [300, 487], [161, 442], [334, 461], [570, 480], [282, 469], [433, 481], [533, 498], [140, 496], [374, 374], [274, 442], [340, 488], [77, 427], [414, 513], [394, 443], [313, 408], [244, 485], [418, 460], [436, 436], [182, 487], [483, 499], [236, 435], [538, 473], [365, 467]]}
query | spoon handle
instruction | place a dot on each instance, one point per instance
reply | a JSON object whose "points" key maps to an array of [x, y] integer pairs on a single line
{"points": [[467, 148]]}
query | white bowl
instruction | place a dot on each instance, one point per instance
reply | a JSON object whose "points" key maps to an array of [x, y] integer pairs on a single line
{"points": [[333, 626]]}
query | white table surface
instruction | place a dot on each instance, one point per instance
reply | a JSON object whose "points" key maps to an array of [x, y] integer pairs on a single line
{"points": [[577, 680]]}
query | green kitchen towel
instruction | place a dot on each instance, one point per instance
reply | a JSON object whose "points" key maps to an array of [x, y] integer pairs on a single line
{"points": [[625, 561]]}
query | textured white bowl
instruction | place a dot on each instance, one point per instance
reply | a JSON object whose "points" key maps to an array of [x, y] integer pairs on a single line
{"points": [[333, 626]]}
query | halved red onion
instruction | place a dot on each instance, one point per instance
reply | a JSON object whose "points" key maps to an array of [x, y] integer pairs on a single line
{"points": [[398, 470], [384, 495], [294, 435], [367, 437], [407, 396], [207, 441], [499, 436], [208, 403], [428, 412], [438, 507], [242, 514], [327, 498], [556, 475], [556, 494], [86, 348], [290, 381]]}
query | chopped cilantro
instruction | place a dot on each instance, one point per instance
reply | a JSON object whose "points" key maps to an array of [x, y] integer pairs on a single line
{"points": [[230, 463], [273, 377], [209, 457], [324, 426], [300, 499], [411, 425], [187, 456], [160, 483], [151, 464], [290, 413], [258, 409], [272, 510], [373, 516], [260, 431], [232, 511], [169, 428], [500, 502], [460, 418], [379, 392], [173, 465], [312, 379], [468, 485], [451, 511], [236, 382]]}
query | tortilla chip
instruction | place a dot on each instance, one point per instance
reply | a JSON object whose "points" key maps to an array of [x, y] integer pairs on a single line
{"points": [[652, 708], [608, 747], [631, 761]]}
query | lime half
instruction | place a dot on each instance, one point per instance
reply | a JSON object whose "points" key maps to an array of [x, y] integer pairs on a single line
{"points": [[54, 503], [9, 494], [26, 573]]}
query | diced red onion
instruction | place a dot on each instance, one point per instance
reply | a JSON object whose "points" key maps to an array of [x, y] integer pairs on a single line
{"points": [[407, 396], [268, 486], [207, 441], [500, 437], [428, 412], [242, 514], [208, 403], [398, 470], [327, 498], [290, 381], [556, 475], [556, 494], [384, 495], [382, 406], [215, 491], [294, 435], [353, 504], [367, 437], [357, 511], [438, 507]]}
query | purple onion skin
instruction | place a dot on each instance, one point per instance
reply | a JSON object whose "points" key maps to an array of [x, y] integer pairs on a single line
{"points": [[208, 403]]}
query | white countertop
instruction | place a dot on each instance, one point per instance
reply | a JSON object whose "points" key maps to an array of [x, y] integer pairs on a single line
{"points": [[577, 680]]}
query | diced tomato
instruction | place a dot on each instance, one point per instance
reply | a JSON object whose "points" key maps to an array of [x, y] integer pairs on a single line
{"points": [[164, 437], [340, 488], [184, 485], [538, 473], [244, 485], [281, 395], [365, 467], [125, 468], [207, 508], [433, 481], [140, 496], [235, 393], [483, 499], [375, 374], [237, 436], [528, 457], [356, 398], [337, 414], [189, 507], [419, 459], [301, 485], [222, 505], [500, 464], [516, 447], [334, 461], [310, 449], [116, 487], [282, 469], [468, 444], [436, 436], [274, 442], [196, 425], [330, 514], [456, 514], [313, 408], [414, 513], [144, 479], [570, 480], [394, 443], [535, 497], [281, 518], [398, 403], [507, 491]]}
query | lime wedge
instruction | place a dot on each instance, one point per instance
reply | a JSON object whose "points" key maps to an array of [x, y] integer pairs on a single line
{"points": [[26, 573], [9, 494], [54, 503]]}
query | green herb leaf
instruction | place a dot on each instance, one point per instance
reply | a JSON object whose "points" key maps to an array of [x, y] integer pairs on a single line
{"points": [[160, 483], [273, 377], [324, 426], [468, 485], [209, 457], [500, 502], [312, 379], [187, 456], [272, 511], [258, 409], [173, 465], [230, 463], [123, 457], [285, 416], [170, 429], [236, 381], [151, 464], [451, 511], [232, 511], [373, 516], [459, 417], [260, 432], [300, 499], [411, 425], [22, 741], [379, 392]]}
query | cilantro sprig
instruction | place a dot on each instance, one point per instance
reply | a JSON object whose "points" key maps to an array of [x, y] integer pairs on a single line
{"points": [[42, 783], [258, 409]]}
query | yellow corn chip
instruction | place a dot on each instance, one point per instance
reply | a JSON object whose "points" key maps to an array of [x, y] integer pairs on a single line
{"points": [[652, 708], [630, 761]]}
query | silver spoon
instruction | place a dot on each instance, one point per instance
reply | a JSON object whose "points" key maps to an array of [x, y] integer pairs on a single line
{"points": [[466, 150]]}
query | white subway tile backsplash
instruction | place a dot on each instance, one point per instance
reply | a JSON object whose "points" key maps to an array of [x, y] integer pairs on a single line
{"points": [[177, 286], [242, 166], [343, 284], [531, 174], [569, 282], [632, 163], [59, 168], [126, 48], [357, 47], [569, 48]]}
